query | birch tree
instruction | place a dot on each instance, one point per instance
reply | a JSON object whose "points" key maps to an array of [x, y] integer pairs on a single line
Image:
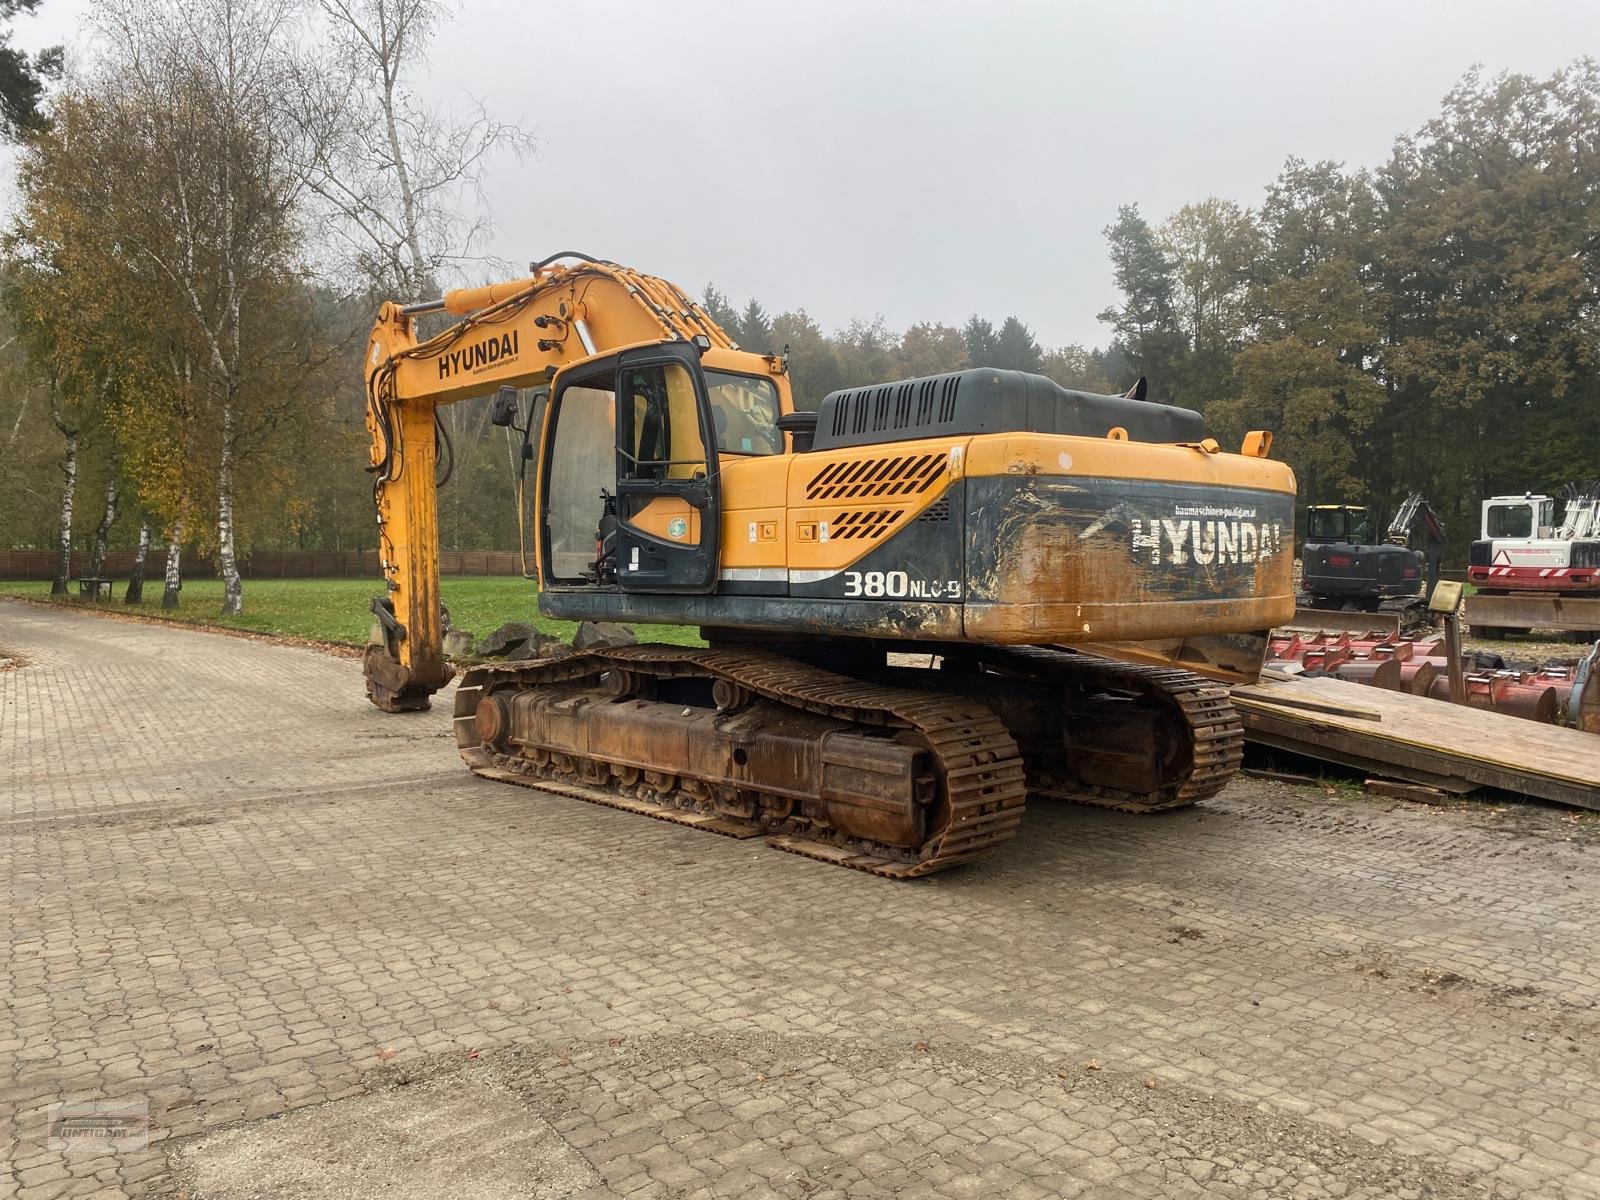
{"points": [[203, 195], [135, 592], [62, 346], [69, 487], [402, 179], [93, 328], [108, 517]]}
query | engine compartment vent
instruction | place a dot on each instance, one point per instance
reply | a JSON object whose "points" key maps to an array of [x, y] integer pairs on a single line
{"points": [[908, 405], [863, 523], [864, 478], [986, 400]]}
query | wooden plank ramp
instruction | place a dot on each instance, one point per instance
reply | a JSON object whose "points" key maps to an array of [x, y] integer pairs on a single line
{"points": [[1419, 740]]}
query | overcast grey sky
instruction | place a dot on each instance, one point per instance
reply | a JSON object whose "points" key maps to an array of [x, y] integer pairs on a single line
{"points": [[929, 160]]}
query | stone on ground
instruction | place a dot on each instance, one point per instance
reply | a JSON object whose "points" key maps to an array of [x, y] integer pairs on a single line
{"points": [[511, 636], [592, 634]]}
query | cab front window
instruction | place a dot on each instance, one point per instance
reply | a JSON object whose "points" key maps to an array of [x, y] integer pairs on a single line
{"points": [[1326, 525], [745, 409], [1510, 521]]}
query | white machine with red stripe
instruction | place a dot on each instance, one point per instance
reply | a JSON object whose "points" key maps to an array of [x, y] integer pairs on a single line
{"points": [[1531, 573]]}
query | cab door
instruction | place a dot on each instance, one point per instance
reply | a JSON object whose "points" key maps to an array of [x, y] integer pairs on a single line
{"points": [[668, 502]]}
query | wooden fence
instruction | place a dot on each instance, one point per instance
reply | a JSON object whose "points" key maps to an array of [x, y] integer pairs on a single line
{"points": [[288, 564], [258, 564]]}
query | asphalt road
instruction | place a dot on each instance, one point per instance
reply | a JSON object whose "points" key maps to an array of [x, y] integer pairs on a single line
{"points": [[330, 962]]}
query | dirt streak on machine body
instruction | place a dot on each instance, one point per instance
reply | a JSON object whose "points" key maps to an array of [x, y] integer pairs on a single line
{"points": [[1080, 568]]}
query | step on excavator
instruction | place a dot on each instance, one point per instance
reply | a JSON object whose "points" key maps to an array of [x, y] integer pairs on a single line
{"points": [[921, 603]]}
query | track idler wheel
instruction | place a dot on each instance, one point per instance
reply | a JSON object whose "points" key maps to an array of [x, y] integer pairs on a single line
{"points": [[620, 683], [491, 719], [728, 696]]}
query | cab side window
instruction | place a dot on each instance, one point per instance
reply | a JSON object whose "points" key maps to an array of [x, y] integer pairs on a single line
{"points": [[661, 430], [745, 408], [582, 465]]}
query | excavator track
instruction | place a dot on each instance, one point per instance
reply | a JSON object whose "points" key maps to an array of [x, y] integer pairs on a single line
{"points": [[937, 777], [1199, 709], [972, 784]]}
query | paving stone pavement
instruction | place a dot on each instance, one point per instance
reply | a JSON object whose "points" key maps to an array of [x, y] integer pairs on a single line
{"points": [[233, 889]]}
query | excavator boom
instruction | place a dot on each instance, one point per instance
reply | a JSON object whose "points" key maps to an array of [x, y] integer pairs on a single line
{"points": [[516, 334]]}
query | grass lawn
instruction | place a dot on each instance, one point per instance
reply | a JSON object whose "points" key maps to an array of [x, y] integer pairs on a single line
{"points": [[335, 610]]}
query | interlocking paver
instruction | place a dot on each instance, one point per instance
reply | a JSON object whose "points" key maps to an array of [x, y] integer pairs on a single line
{"points": [[235, 889]]}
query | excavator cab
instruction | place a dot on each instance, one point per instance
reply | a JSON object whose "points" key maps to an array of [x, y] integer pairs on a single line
{"points": [[1348, 523], [629, 494]]}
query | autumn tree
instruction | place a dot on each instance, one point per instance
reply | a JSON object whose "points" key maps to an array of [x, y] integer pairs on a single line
{"points": [[1214, 247], [1306, 373], [1489, 259], [814, 365], [929, 349], [106, 340], [200, 194], [63, 319], [1075, 367], [866, 352]]}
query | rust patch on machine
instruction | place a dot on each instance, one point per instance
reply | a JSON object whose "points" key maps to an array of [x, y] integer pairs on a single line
{"points": [[1058, 560]]}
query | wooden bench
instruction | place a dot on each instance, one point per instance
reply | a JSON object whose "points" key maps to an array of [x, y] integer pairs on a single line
{"points": [[92, 587]]}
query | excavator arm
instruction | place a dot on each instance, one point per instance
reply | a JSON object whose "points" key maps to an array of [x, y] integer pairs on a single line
{"points": [[1416, 513], [515, 334]]}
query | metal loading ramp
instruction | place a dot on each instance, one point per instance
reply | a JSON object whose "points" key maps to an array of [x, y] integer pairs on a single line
{"points": [[1411, 738]]}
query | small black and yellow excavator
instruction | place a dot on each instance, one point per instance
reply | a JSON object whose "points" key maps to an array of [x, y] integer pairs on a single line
{"points": [[1345, 569], [921, 603]]}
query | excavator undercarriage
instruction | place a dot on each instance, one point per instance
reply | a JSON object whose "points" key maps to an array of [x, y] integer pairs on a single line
{"points": [[900, 771]]}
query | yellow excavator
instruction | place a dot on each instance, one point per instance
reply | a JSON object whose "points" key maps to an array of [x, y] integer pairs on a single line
{"points": [[921, 603]]}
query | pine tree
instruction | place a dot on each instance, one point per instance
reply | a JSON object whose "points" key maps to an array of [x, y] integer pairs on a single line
{"points": [[1144, 275], [980, 339], [720, 310], [1015, 349], [1147, 328], [22, 78], [755, 328]]}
